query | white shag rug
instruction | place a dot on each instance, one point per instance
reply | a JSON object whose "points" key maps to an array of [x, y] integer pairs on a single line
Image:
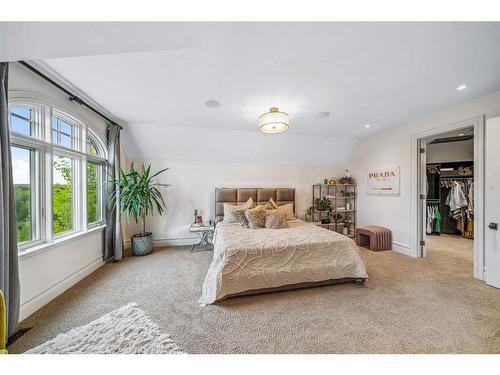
{"points": [[126, 330]]}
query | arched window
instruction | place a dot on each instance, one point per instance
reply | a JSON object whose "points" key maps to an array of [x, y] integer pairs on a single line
{"points": [[59, 167]]}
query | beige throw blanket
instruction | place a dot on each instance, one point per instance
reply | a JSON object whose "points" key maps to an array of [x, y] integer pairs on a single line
{"points": [[253, 259]]}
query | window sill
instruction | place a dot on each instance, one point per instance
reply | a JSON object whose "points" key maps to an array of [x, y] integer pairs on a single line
{"points": [[58, 242]]}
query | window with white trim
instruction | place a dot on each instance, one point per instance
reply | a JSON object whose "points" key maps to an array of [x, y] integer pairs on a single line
{"points": [[25, 193], [95, 180], [59, 166], [94, 193], [21, 120], [92, 147]]}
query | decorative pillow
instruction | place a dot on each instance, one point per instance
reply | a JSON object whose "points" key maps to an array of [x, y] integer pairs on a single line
{"points": [[241, 218], [287, 209], [256, 217], [275, 219], [270, 205], [229, 208]]}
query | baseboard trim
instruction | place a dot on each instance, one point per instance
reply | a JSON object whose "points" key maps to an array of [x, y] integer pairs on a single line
{"points": [[160, 242], [41, 299], [401, 248]]}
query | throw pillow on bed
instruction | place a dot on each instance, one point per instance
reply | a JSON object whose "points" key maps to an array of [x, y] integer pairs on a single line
{"points": [[241, 218], [276, 219], [229, 208], [287, 209], [256, 217], [271, 205]]}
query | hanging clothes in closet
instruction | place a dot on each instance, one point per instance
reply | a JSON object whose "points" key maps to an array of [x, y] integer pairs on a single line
{"points": [[459, 193], [433, 218]]}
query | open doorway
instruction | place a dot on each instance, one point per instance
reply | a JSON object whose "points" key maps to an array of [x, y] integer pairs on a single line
{"points": [[449, 198], [420, 142]]}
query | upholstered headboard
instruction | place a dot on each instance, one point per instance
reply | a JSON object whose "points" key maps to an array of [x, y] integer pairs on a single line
{"points": [[259, 195]]}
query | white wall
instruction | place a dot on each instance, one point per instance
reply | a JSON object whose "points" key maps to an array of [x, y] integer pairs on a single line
{"points": [[49, 272], [194, 182], [392, 148], [46, 273], [450, 152]]}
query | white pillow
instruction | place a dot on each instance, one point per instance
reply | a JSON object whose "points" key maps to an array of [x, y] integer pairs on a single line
{"points": [[229, 208], [287, 209]]}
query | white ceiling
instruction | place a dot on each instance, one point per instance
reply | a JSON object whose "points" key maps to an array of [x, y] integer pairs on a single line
{"points": [[161, 74]]}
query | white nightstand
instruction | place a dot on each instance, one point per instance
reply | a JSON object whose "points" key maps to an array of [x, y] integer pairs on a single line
{"points": [[204, 231]]}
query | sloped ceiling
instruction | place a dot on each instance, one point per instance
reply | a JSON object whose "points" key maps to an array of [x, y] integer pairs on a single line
{"points": [[156, 78]]}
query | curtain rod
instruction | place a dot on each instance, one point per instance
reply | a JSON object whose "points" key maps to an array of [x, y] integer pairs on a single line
{"points": [[72, 96]]}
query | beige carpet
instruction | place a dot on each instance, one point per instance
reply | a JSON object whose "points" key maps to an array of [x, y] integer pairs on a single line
{"points": [[408, 305]]}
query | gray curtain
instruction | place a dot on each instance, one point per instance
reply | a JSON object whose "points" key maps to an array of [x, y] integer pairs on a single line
{"points": [[9, 270], [113, 249]]}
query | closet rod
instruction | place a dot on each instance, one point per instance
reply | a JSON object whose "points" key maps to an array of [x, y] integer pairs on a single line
{"points": [[72, 96]]}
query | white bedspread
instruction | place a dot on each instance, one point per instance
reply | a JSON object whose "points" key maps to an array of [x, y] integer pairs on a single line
{"points": [[252, 259]]}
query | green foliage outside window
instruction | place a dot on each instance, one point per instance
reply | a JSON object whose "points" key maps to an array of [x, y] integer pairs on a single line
{"points": [[62, 200], [92, 198], [22, 193], [62, 196]]}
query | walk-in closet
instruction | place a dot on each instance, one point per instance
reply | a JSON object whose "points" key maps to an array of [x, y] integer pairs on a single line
{"points": [[450, 192]]}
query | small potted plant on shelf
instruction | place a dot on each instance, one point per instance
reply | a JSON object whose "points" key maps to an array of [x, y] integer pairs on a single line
{"points": [[323, 204], [138, 197]]}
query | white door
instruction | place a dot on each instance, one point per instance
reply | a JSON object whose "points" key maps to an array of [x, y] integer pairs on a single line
{"points": [[492, 203]]}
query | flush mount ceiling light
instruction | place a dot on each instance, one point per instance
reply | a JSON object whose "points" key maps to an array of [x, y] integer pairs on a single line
{"points": [[368, 126], [273, 122], [461, 87], [212, 104]]}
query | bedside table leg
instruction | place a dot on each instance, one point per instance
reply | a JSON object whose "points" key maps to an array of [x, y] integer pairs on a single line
{"points": [[204, 241], [200, 243], [204, 244]]}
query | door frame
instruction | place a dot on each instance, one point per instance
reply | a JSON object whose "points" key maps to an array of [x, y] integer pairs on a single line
{"points": [[417, 173]]}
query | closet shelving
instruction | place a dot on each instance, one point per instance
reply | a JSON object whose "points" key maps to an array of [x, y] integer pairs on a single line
{"points": [[340, 217]]}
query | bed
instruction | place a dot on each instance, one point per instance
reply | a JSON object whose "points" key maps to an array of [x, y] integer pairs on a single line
{"points": [[250, 261]]}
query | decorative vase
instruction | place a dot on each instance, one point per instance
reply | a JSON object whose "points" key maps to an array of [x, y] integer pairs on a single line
{"points": [[142, 245]]}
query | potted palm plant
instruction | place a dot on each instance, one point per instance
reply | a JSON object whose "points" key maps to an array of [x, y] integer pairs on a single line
{"points": [[139, 196]]}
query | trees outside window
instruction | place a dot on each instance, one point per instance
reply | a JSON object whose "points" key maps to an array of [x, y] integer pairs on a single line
{"points": [[22, 172], [94, 192], [62, 195]]}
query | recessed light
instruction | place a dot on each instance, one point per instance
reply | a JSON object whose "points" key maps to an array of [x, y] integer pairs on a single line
{"points": [[461, 87], [212, 104], [323, 114], [368, 126]]}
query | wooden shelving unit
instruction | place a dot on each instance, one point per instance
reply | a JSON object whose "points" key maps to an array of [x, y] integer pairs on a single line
{"points": [[340, 217]]}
